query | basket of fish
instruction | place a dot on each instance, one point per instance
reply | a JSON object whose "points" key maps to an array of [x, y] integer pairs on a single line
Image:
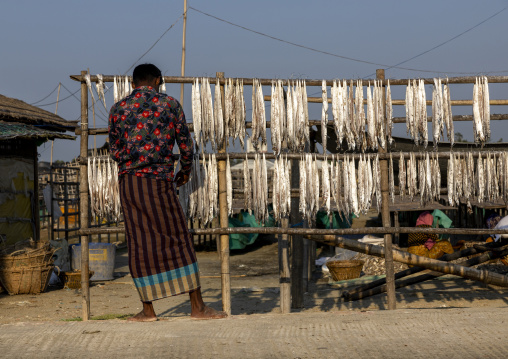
{"points": [[345, 269]]}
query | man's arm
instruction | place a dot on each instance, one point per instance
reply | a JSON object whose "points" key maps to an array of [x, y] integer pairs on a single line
{"points": [[113, 134], [185, 144]]}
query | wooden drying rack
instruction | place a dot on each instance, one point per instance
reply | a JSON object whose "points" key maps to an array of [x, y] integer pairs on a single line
{"points": [[285, 290]]}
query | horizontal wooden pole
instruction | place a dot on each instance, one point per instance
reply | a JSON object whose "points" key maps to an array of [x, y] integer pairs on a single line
{"points": [[403, 102], [328, 233], [308, 82], [104, 131]]}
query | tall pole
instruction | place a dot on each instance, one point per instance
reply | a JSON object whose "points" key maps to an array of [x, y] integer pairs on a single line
{"points": [[385, 214], [224, 223], [83, 200], [56, 111], [183, 47]]}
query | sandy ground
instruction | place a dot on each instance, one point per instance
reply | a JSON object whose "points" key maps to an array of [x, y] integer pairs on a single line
{"points": [[254, 287]]}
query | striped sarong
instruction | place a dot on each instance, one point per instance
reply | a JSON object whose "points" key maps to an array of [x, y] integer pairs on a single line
{"points": [[162, 260]]}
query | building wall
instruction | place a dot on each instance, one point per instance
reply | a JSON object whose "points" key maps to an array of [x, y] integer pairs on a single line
{"points": [[17, 176]]}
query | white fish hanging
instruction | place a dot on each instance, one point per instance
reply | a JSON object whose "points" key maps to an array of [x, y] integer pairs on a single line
{"points": [[218, 116], [324, 115], [389, 112], [196, 113], [247, 186], [100, 86], [229, 187]]}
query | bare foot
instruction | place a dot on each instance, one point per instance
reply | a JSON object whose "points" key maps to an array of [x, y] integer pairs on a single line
{"points": [[208, 313], [142, 317]]}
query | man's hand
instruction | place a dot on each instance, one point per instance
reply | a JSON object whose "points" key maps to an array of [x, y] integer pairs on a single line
{"points": [[181, 179]]}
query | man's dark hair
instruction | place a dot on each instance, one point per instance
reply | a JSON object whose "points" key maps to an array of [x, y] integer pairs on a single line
{"points": [[145, 72]]}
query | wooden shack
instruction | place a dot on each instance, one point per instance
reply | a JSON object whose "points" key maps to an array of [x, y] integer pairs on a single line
{"points": [[23, 128]]}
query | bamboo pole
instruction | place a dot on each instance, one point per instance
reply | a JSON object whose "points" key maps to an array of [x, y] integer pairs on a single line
{"points": [[310, 82], [283, 256], [427, 263], [183, 48], [456, 118], [83, 200], [385, 214], [296, 244], [328, 233], [224, 223]]}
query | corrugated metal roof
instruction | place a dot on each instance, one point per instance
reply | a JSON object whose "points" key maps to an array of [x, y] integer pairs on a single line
{"points": [[12, 130]]}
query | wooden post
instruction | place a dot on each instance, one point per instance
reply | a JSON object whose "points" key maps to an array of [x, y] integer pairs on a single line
{"points": [[284, 271], [83, 200], [385, 214], [183, 48], [37, 219], [224, 223], [296, 243]]}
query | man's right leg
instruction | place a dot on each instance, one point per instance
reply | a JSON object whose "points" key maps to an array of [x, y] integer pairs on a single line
{"points": [[200, 311]]}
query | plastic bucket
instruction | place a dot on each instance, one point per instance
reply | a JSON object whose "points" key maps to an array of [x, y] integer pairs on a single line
{"points": [[101, 260]]}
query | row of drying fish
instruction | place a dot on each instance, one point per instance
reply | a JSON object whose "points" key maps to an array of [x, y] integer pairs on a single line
{"points": [[354, 185], [481, 110], [121, 87], [417, 177], [210, 123], [198, 196], [103, 188], [441, 112], [488, 181]]}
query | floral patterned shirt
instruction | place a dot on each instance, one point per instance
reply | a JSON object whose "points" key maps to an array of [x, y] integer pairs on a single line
{"points": [[143, 128]]}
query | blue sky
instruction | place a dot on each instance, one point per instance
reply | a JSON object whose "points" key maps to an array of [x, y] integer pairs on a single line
{"points": [[45, 42]]}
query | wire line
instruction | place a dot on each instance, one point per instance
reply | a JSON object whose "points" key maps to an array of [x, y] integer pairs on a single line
{"points": [[326, 52]]}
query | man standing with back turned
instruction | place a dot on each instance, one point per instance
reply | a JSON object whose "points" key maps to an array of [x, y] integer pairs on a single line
{"points": [[143, 128]]}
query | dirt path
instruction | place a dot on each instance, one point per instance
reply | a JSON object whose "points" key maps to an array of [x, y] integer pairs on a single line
{"points": [[255, 290]]}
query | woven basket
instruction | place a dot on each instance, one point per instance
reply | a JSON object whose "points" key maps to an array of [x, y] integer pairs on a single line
{"points": [[27, 258], [72, 280], [344, 270], [26, 280]]}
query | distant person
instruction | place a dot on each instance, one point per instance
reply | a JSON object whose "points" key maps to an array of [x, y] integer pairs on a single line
{"points": [[143, 128], [494, 221], [427, 245]]}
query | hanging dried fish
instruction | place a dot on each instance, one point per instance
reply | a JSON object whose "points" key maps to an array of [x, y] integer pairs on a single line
{"points": [[377, 169], [196, 113], [447, 113], [100, 86], [325, 181], [410, 110], [422, 101], [229, 187], [402, 176], [389, 112], [437, 111], [450, 181], [324, 115], [303, 186], [353, 187], [486, 107], [247, 186], [479, 135], [218, 116], [360, 115], [391, 180], [371, 121], [480, 179]]}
